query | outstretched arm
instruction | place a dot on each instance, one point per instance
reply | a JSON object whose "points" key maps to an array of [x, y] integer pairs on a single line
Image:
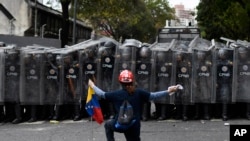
{"points": [[159, 94], [97, 90]]}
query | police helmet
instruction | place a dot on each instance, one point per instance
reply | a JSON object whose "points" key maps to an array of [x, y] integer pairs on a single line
{"points": [[179, 55], [200, 55], [109, 44], [126, 52], [222, 53], [242, 53], [144, 52], [160, 56]]}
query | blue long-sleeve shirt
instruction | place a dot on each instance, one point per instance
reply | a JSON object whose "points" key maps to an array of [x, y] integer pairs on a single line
{"points": [[136, 99], [152, 96]]}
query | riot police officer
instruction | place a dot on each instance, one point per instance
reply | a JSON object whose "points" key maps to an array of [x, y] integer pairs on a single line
{"points": [[202, 85], [242, 81], [224, 80], [162, 75], [88, 66], [142, 74], [106, 60], [183, 77], [2, 44], [68, 103]]}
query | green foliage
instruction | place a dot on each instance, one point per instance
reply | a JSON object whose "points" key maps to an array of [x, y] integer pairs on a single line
{"points": [[160, 12], [224, 18], [138, 19]]}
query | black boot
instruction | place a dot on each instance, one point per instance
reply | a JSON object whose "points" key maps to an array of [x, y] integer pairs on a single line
{"points": [[178, 112], [33, 113], [248, 111], [1, 113], [51, 112], [163, 112], [184, 113], [145, 112], [197, 111], [224, 112], [47, 112], [77, 116], [57, 112], [206, 112], [9, 112], [19, 114]]}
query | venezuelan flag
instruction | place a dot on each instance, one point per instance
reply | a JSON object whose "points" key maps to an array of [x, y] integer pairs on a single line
{"points": [[93, 107]]}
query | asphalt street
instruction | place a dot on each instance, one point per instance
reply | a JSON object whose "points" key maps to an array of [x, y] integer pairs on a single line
{"points": [[85, 130]]}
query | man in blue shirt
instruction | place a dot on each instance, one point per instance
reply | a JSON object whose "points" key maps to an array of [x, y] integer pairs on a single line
{"points": [[136, 97]]}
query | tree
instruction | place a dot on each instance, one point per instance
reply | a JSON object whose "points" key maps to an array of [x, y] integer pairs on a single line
{"points": [[138, 19], [227, 18], [65, 23], [160, 12], [127, 19]]}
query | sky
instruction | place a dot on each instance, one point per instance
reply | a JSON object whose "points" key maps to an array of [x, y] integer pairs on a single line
{"points": [[188, 4]]}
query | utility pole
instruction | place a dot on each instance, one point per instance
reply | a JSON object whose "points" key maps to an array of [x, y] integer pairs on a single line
{"points": [[35, 28], [74, 25]]}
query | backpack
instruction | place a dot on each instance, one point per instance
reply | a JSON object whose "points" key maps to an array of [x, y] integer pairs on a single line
{"points": [[126, 116]]}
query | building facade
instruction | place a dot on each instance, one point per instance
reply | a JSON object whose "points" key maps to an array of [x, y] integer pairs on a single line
{"points": [[32, 18], [186, 17]]}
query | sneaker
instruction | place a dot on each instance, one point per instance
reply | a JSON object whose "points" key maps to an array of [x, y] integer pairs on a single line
{"points": [[32, 120], [17, 121], [77, 118]]}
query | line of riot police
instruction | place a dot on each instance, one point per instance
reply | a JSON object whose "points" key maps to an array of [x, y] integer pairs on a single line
{"points": [[46, 83]]}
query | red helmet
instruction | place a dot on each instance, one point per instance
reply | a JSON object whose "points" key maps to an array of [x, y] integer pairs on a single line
{"points": [[126, 76]]}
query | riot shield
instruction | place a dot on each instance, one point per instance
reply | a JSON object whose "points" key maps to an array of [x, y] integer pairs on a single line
{"points": [[105, 70], [11, 72], [51, 80], [106, 63], [223, 68], [88, 66], [202, 77], [68, 76], [143, 68], [182, 71], [125, 59], [86, 54], [241, 74], [31, 82], [2, 76], [162, 70], [142, 75]]}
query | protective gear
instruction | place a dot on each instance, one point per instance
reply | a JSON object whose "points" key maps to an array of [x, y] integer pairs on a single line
{"points": [[224, 79], [33, 112], [126, 53], [110, 44], [126, 76], [248, 111], [160, 56], [224, 112], [19, 113], [201, 55], [182, 65], [222, 53], [77, 115], [179, 56], [242, 53], [144, 52]]}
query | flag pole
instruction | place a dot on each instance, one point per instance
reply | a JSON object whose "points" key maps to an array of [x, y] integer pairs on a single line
{"points": [[92, 129]]}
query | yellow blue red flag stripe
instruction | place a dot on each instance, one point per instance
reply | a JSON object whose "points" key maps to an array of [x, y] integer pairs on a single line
{"points": [[93, 107]]}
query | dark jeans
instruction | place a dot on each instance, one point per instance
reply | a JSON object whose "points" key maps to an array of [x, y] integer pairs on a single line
{"points": [[131, 134]]}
